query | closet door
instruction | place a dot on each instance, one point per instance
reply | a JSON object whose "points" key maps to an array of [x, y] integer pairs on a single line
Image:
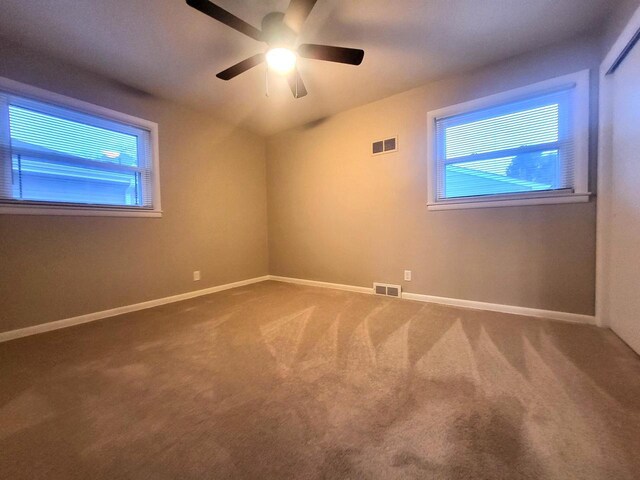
{"points": [[624, 207]]}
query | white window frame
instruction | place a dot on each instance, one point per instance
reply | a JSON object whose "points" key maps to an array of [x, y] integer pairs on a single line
{"points": [[580, 118], [40, 95]]}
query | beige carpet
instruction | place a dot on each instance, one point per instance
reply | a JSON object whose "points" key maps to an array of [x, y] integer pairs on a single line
{"points": [[275, 381]]}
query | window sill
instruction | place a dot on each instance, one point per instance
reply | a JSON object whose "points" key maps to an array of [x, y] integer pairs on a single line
{"points": [[75, 211], [510, 202]]}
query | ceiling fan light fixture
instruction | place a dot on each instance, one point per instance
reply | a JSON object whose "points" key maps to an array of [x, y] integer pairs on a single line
{"points": [[280, 31], [281, 60]]}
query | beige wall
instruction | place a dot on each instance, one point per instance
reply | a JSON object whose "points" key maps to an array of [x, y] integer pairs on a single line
{"points": [[213, 196], [337, 214]]}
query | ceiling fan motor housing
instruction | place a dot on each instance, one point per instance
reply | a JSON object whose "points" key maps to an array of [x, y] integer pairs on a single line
{"points": [[275, 32]]}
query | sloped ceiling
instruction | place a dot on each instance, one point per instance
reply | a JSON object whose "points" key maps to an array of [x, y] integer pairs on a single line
{"points": [[169, 49]]}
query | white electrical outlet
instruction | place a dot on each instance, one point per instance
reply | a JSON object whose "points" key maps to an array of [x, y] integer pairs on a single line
{"points": [[196, 275], [407, 275]]}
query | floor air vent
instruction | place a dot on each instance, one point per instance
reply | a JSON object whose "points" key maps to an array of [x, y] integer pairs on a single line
{"points": [[387, 290], [387, 145]]}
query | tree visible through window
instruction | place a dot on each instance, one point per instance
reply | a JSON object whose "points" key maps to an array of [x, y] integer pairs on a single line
{"points": [[538, 167]]}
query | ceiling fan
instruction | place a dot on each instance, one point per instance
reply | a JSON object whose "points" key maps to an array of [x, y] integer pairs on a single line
{"points": [[279, 31]]}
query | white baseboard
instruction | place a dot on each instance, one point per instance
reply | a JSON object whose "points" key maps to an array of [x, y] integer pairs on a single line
{"points": [[91, 317], [496, 307], [315, 283], [493, 307], [454, 302]]}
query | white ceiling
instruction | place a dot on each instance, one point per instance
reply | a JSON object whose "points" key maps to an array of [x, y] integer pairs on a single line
{"points": [[169, 49]]}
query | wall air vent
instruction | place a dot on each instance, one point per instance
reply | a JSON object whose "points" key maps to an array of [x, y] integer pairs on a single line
{"points": [[390, 144], [380, 289], [387, 145], [387, 290]]}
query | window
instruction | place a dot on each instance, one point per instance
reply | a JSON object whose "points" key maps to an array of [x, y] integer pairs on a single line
{"points": [[63, 156], [526, 146]]}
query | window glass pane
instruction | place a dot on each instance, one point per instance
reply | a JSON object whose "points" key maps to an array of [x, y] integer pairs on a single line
{"points": [[48, 133], [53, 181], [527, 172], [63, 156], [511, 148]]}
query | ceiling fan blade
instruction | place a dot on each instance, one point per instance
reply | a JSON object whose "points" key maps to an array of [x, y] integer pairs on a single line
{"points": [[241, 67], [297, 13], [351, 56], [229, 19], [296, 84]]}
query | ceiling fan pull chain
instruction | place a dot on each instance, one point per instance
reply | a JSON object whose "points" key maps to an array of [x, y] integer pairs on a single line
{"points": [[266, 82]]}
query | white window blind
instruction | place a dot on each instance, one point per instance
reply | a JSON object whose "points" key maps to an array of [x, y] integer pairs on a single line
{"points": [[527, 143], [525, 146], [57, 156]]}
